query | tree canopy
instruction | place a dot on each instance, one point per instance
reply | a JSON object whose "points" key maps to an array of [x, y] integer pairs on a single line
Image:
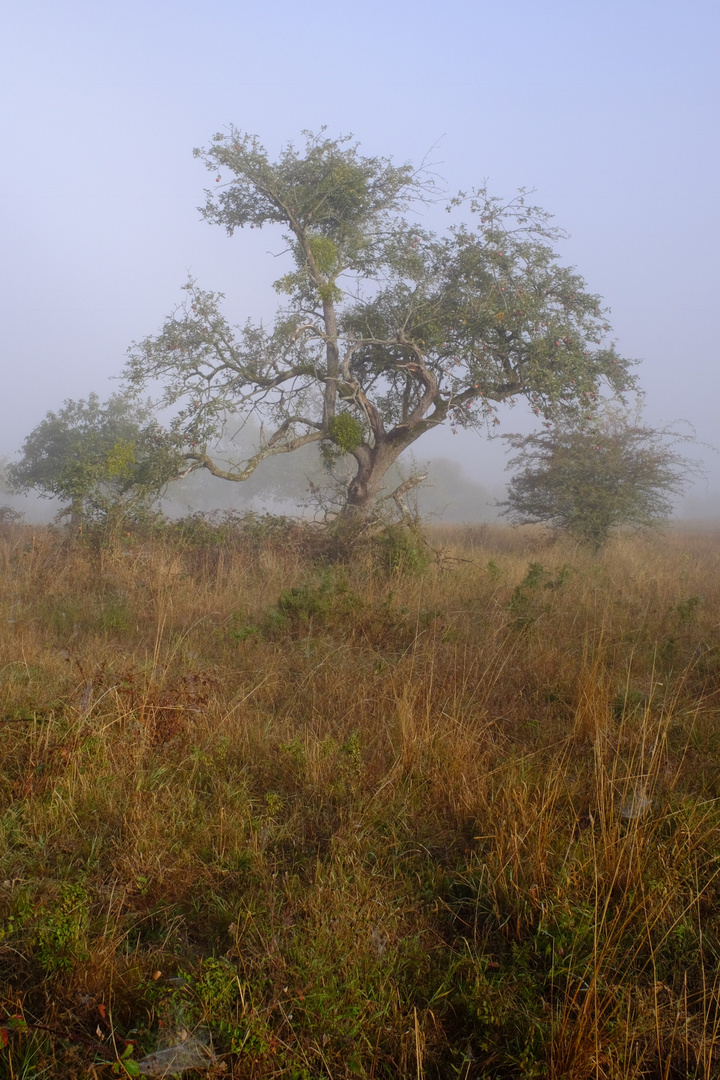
{"points": [[102, 460], [589, 481], [388, 329]]}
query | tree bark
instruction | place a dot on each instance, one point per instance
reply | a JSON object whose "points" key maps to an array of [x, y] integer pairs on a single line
{"points": [[76, 515], [366, 485]]}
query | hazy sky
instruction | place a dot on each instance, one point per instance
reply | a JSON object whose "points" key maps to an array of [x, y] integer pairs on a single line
{"points": [[608, 109]]}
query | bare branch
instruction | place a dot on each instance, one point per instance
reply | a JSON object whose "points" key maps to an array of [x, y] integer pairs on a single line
{"points": [[204, 461]]}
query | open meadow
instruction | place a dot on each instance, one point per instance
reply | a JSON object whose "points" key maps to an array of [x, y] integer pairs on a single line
{"points": [[422, 814]]}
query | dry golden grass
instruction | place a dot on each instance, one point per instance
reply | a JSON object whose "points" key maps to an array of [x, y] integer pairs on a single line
{"points": [[349, 821]]}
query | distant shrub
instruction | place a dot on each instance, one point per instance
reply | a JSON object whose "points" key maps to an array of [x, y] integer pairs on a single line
{"points": [[10, 516]]}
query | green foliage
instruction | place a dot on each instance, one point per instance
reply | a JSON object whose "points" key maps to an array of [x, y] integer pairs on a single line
{"points": [[345, 433], [328, 604], [120, 460], [106, 461], [494, 571], [388, 330], [402, 549], [589, 481], [61, 930], [232, 527], [325, 252], [217, 987], [125, 1064], [331, 599], [688, 609], [10, 516], [526, 603]]}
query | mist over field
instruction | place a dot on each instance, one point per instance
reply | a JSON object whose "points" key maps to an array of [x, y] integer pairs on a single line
{"points": [[448, 494], [282, 486]]}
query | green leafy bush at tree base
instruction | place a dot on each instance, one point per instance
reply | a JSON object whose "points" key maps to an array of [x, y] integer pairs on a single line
{"points": [[402, 549]]}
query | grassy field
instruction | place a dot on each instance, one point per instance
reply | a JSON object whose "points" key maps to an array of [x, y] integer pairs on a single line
{"points": [[375, 820]]}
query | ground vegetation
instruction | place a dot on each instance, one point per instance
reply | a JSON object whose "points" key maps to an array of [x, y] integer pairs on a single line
{"points": [[457, 816]]}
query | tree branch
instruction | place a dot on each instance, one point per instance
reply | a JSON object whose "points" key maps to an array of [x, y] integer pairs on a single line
{"points": [[204, 461]]}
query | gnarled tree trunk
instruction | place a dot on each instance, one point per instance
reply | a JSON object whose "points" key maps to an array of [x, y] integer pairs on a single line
{"points": [[368, 482]]}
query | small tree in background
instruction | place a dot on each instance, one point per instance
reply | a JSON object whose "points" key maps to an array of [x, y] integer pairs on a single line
{"points": [[107, 462], [588, 481]]}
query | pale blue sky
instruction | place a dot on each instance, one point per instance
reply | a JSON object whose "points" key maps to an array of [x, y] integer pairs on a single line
{"points": [[609, 110]]}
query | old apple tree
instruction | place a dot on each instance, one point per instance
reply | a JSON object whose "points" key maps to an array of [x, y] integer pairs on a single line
{"points": [[387, 329]]}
